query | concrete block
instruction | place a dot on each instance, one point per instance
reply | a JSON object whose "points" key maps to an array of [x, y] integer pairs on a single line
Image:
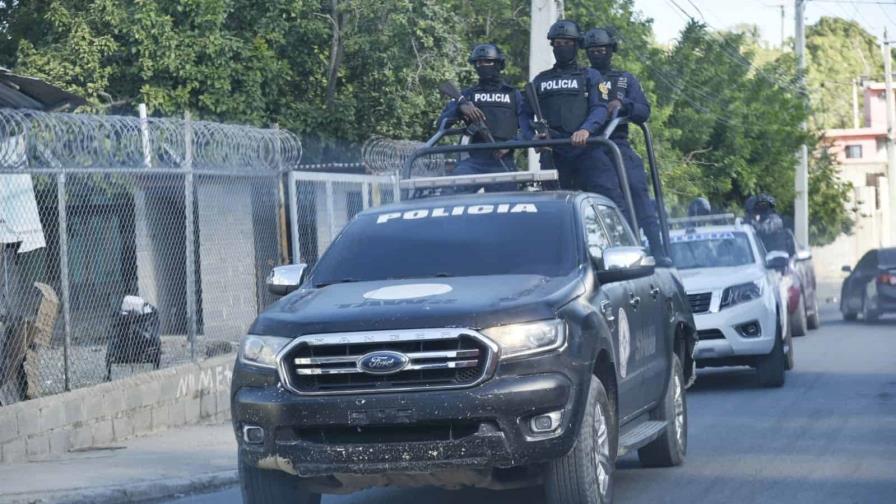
{"points": [[9, 424], [177, 413], [52, 416], [122, 427], [102, 432], [13, 451], [94, 407], [223, 400], [37, 447], [81, 437], [132, 399], [113, 402], [74, 410], [208, 405], [193, 410], [142, 419], [60, 441], [150, 393], [160, 417], [28, 418]]}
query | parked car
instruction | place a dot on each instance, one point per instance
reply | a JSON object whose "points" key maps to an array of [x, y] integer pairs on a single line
{"points": [[738, 295], [870, 288], [802, 299], [492, 340]]}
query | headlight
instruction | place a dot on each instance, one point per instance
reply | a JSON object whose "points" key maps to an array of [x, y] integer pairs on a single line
{"points": [[740, 294], [262, 350], [525, 339]]}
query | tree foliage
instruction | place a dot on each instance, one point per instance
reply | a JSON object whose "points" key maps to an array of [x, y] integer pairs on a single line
{"points": [[725, 114]]}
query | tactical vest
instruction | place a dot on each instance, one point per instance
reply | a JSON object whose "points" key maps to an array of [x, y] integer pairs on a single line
{"points": [[615, 87], [499, 106], [563, 96]]}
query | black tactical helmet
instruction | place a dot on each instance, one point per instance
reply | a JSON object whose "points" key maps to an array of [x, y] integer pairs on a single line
{"points": [[698, 207], [765, 200], [565, 28], [601, 37], [487, 52]]}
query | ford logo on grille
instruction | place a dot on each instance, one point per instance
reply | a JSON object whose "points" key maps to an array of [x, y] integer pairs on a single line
{"points": [[383, 362]]}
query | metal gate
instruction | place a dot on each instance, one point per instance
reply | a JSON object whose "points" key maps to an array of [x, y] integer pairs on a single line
{"points": [[320, 204]]}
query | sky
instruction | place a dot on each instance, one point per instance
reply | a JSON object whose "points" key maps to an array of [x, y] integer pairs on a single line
{"points": [[873, 15]]}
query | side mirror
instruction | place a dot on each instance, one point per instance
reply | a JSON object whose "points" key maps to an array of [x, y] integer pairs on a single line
{"points": [[777, 260], [846, 269], [285, 279], [803, 255], [625, 263]]}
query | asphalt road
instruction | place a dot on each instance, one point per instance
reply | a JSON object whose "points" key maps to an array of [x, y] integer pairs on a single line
{"points": [[829, 435]]}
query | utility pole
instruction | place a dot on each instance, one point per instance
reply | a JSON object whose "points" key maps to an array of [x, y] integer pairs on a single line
{"points": [[855, 102], [890, 234], [801, 199], [541, 57], [783, 17]]}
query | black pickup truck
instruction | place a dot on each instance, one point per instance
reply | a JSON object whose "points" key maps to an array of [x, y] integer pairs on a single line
{"points": [[489, 340]]}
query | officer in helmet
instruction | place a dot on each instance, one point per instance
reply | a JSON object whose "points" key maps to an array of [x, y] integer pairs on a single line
{"points": [[572, 108], [769, 226], [699, 207], [622, 92], [491, 103]]}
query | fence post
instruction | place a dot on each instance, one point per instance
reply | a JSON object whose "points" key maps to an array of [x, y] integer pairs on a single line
{"points": [[144, 135], [190, 234], [396, 187], [63, 279], [331, 217]]}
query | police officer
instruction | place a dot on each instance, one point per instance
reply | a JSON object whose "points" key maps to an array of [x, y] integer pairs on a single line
{"points": [[699, 207], [623, 94], [572, 108], [769, 226], [493, 104]]}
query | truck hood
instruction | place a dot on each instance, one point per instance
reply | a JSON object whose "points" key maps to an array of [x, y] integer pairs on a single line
{"points": [[708, 279], [472, 302]]}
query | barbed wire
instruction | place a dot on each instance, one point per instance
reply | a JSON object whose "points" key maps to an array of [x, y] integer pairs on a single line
{"points": [[41, 140], [386, 155]]}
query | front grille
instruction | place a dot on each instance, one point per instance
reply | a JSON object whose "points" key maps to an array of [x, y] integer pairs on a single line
{"points": [[437, 358], [710, 334], [377, 434], [700, 302]]}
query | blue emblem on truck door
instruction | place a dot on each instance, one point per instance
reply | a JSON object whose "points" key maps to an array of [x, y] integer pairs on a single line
{"points": [[383, 362]]}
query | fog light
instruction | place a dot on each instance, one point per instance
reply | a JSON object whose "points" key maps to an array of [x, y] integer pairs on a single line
{"points": [[548, 422], [253, 434], [750, 329]]}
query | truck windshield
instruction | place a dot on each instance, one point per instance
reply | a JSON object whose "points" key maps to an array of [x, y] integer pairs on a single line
{"points": [[502, 238], [711, 250]]}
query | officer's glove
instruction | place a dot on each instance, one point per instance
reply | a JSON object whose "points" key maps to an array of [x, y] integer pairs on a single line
{"points": [[471, 112]]}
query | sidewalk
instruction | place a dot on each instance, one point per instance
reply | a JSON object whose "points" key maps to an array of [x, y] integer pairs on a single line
{"points": [[164, 464]]}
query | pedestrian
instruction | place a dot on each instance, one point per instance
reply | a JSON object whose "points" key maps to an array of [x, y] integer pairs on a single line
{"points": [[495, 111], [569, 99], [623, 94]]}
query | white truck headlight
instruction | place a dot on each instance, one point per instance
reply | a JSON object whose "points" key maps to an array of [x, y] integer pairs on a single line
{"points": [[740, 294], [517, 340], [261, 350]]}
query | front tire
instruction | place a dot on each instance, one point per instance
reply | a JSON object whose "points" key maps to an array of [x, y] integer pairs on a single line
{"points": [[670, 448], [813, 321], [263, 486], [585, 474], [770, 368]]}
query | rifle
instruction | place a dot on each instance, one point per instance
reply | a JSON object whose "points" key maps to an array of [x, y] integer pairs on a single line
{"points": [[450, 90], [540, 125]]}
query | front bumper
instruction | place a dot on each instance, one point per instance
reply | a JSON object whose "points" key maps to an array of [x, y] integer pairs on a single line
{"points": [[486, 426], [727, 320]]}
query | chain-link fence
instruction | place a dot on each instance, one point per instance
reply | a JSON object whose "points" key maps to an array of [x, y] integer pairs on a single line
{"points": [[129, 244]]}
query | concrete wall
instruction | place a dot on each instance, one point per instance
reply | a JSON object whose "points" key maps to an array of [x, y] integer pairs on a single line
{"points": [[99, 416]]}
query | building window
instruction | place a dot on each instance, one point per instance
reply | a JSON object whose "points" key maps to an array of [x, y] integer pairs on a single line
{"points": [[853, 152]]}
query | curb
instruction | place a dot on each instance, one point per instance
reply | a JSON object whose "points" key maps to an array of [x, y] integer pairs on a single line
{"points": [[132, 492]]}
